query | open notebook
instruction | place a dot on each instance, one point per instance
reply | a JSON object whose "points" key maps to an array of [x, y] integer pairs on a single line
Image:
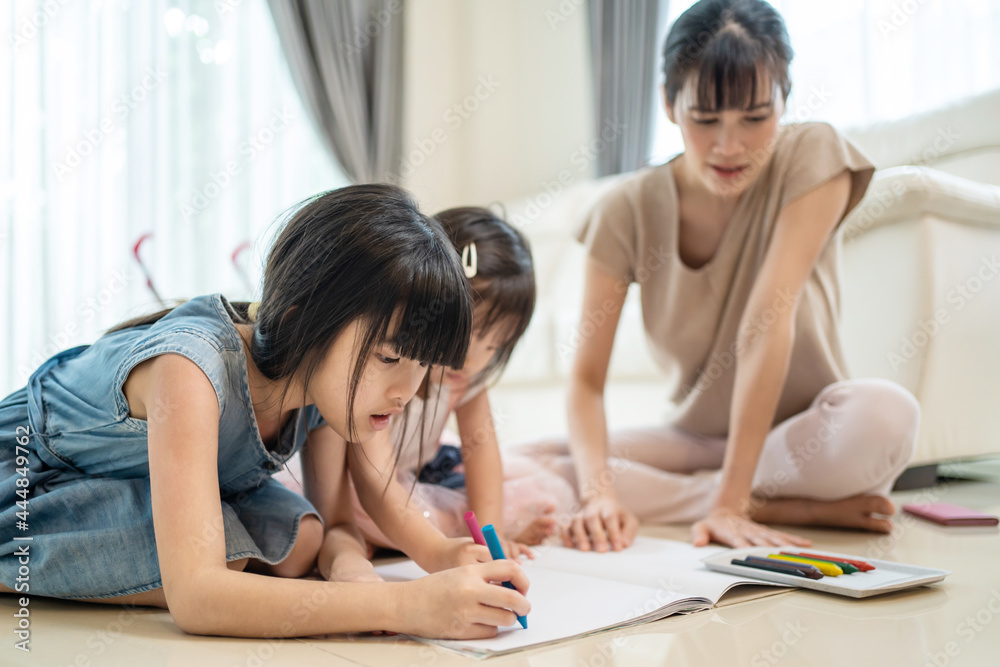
{"points": [[575, 593]]}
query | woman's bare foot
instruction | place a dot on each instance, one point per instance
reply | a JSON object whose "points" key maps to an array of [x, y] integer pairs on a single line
{"points": [[861, 511], [539, 528]]}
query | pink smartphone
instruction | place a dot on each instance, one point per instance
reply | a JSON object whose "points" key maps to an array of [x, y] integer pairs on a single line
{"points": [[950, 515]]}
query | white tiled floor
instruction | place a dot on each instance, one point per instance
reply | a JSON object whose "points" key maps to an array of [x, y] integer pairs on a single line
{"points": [[953, 623]]}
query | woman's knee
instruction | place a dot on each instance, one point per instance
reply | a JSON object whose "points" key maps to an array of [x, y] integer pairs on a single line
{"points": [[894, 414], [883, 415]]}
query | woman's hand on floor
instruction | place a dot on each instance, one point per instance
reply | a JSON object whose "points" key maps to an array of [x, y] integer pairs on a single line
{"points": [[602, 522], [736, 530]]}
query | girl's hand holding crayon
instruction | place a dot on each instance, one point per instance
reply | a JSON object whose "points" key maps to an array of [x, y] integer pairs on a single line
{"points": [[459, 551], [462, 603]]}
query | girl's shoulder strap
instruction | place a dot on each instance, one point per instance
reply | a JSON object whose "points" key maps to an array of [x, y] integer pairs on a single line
{"points": [[200, 329]]}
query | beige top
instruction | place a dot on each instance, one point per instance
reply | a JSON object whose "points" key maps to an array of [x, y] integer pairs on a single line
{"points": [[691, 316]]}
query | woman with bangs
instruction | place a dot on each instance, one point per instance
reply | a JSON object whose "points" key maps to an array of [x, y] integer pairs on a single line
{"points": [[735, 246], [143, 461]]}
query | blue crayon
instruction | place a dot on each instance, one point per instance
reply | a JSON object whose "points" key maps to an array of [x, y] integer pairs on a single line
{"points": [[493, 542]]}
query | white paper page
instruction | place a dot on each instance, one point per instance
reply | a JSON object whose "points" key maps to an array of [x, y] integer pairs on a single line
{"points": [[563, 605], [666, 565]]}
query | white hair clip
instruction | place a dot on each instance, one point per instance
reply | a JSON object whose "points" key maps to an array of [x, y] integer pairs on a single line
{"points": [[470, 261]]}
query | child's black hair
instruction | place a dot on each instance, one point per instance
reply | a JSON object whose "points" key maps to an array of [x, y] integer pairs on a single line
{"points": [[361, 252], [503, 289]]}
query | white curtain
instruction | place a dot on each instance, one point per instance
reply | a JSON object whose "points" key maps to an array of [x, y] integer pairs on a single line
{"points": [[862, 61], [175, 118]]}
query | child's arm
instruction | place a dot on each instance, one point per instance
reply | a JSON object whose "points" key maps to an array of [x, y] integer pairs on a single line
{"points": [[206, 597], [371, 465], [483, 467], [324, 467], [481, 459]]}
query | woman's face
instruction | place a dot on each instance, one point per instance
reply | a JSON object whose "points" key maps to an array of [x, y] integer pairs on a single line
{"points": [[725, 150], [389, 381]]}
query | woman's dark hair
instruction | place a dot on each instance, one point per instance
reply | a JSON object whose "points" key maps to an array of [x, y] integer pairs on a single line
{"points": [[503, 289], [727, 44], [361, 252]]}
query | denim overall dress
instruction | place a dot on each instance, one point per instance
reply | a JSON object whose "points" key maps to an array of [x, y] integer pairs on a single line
{"points": [[88, 512]]}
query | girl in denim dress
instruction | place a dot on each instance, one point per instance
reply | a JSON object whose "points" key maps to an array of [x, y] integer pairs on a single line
{"points": [[138, 469]]}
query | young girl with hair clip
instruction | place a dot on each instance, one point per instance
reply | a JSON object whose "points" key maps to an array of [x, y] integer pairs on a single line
{"points": [[147, 456], [447, 480]]}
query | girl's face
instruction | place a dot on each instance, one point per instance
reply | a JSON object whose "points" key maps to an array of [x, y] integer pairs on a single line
{"points": [[724, 151], [482, 348], [387, 384]]}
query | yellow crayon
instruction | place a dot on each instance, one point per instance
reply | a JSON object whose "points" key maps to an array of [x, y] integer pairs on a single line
{"points": [[828, 569]]}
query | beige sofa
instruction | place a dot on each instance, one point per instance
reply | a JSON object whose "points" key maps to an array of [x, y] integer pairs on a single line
{"points": [[921, 289]]}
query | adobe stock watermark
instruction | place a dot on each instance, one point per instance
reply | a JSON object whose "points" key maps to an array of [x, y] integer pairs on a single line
{"points": [[580, 159], [453, 118], [380, 17], [878, 201], [797, 458], [469, 447], [816, 100], [249, 149], [667, 591], [86, 311], [32, 24], [224, 7], [899, 15], [944, 139], [101, 640], [779, 648], [120, 110], [592, 320], [605, 653], [562, 12], [720, 362], [958, 297], [484, 435], [259, 654], [884, 544], [617, 466], [967, 630]]}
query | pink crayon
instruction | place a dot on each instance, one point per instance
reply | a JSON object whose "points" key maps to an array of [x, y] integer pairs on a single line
{"points": [[477, 532]]}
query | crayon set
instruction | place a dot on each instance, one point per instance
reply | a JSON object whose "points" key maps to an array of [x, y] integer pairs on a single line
{"points": [[808, 565]]}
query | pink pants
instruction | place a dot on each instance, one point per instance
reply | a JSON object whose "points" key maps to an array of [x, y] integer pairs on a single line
{"points": [[855, 438]]}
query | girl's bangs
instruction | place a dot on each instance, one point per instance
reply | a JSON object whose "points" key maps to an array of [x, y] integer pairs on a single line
{"points": [[435, 323]]}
